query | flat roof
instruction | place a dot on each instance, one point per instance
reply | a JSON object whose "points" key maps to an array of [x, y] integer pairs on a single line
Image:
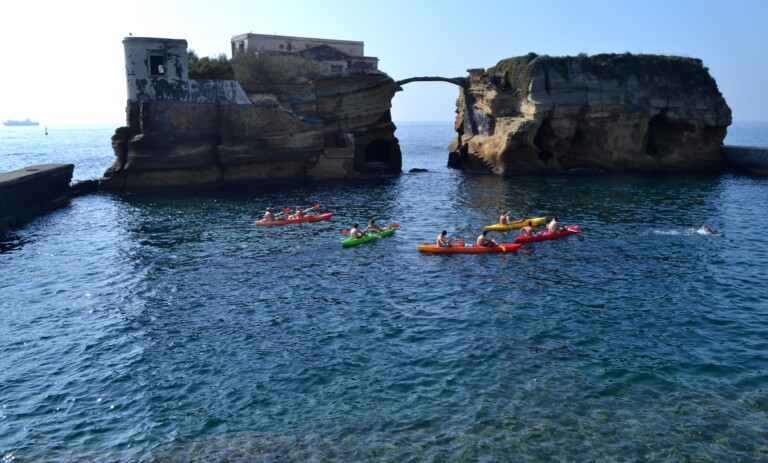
{"points": [[275, 36], [152, 39]]}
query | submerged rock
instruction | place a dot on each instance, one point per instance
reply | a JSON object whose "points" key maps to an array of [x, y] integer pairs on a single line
{"points": [[610, 112]]}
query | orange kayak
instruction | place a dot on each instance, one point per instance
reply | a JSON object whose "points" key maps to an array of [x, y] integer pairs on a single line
{"points": [[311, 218], [462, 249]]}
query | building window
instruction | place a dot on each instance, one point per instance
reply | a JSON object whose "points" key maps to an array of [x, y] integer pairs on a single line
{"points": [[156, 65], [337, 68]]}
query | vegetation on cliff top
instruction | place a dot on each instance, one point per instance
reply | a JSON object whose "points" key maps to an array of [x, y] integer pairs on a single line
{"points": [[206, 68], [690, 74], [264, 67], [276, 68]]}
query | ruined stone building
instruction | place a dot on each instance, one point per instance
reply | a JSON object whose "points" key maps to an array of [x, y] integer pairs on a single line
{"points": [[337, 55], [187, 132]]}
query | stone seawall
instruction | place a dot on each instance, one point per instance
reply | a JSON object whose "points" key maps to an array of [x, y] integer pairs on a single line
{"points": [[28, 192]]}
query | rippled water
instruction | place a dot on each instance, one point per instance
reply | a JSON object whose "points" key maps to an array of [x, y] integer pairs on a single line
{"points": [[169, 328]]}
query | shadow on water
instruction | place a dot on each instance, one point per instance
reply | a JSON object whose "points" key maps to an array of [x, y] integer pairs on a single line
{"points": [[10, 241]]}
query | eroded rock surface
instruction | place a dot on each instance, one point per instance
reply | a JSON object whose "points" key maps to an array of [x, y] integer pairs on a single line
{"points": [[610, 112], [334, 128]]}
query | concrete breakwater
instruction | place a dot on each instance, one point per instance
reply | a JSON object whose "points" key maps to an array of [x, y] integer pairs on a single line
{"points": [[751, 158], [28, 192]]}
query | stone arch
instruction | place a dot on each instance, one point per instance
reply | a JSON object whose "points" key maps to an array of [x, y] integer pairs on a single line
{"points": [[460, 81]]}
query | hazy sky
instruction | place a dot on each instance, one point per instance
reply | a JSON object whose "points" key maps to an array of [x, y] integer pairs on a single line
{"points": [[63, 62]]}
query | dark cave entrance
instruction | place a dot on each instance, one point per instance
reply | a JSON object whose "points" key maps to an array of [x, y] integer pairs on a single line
{"points": [[664, 136], [545, 133], [378, 153]]}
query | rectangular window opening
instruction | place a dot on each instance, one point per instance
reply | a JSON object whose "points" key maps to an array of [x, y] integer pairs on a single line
{"points": [[156, 65]]}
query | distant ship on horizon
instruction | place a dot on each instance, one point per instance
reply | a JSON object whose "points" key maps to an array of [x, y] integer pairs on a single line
{"points": [[25, 122]]}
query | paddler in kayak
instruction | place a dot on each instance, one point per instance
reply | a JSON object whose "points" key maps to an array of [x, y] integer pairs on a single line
{"points": [[554, 226], [482, 241], [356, 233], [269, 216], [300, 213], [442, 239], [372, 226], [528, 230], [503, 219]]}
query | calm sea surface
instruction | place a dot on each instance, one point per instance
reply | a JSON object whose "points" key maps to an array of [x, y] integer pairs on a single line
{"points": [[168, 328]]}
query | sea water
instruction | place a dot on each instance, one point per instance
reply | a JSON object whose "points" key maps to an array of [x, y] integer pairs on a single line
{"points": [[167, 327]]}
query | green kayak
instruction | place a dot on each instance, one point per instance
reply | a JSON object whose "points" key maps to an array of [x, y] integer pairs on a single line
{"points": [[371, 236]]}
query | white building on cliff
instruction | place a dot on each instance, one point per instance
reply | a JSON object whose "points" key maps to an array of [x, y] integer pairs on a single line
{"points": [[337, 55]]}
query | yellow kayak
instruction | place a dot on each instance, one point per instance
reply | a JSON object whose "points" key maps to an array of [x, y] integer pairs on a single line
{"points": [[515, 224]]}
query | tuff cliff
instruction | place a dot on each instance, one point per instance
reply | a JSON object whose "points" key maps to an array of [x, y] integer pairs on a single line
{"points": [[609, 112], [224, 133]]}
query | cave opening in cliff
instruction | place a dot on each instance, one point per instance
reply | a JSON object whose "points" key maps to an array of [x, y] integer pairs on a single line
{"points": [[378, 151], [544, 134], [664, 135]]}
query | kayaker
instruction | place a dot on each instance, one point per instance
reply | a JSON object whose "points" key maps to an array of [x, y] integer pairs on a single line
{"points": [[269, 216], [443, 241], [356, 233], [503, 219], [372, 226], [485, 242], [299, 213], [527, 230], [554, 226]]}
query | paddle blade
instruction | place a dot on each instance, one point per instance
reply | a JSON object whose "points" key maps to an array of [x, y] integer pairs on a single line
{"points": [[345, 232], [394, 225], [285, 211], [316, 206]]}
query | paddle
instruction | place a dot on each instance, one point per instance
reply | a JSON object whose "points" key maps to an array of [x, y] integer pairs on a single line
{"points": [[285, 211], [316, 206]]}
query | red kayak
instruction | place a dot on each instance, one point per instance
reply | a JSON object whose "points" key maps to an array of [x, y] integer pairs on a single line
{"points": [[309, 218], [469, 249], [547, 235]]}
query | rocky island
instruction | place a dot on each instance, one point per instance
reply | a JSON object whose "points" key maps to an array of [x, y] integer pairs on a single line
{"points": [[294, 109], [183, 131], [609, 112]]}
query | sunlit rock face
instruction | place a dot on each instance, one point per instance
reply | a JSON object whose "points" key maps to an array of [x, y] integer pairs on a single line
{"points": [[624, 112]]}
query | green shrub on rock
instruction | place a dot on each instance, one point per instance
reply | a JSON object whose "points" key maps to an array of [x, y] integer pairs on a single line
{"points": [[206, 68]]}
